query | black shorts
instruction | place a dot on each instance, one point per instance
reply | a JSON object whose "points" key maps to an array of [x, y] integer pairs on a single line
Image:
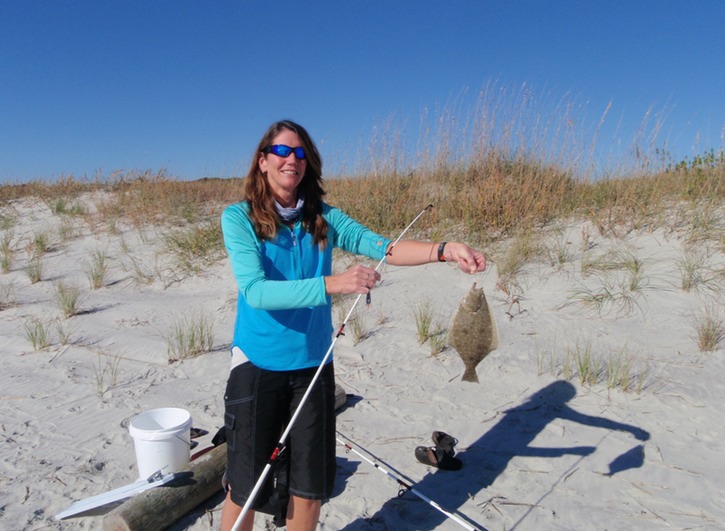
{"points": [[258, 406]]}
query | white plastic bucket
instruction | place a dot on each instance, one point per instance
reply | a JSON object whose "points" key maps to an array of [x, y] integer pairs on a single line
{"points": [[162, 440]]}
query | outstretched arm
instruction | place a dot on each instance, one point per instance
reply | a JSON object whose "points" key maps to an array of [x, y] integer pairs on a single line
{"points": [[601, 422], [413, 252], [361, 279]]}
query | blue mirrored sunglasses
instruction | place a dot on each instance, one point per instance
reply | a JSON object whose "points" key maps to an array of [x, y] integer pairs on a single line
{"points": [[284, 151]]}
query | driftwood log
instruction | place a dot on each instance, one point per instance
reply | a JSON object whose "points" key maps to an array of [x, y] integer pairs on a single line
{"points": [[160, 507]]}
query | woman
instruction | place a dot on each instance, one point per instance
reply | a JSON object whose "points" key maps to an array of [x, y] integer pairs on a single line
{"points": [[280, 242]]}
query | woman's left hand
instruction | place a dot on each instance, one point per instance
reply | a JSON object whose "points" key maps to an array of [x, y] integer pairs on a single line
{"points": [[468, 259]]}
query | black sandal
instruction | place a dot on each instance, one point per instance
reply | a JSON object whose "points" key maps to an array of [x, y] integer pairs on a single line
{"points": [[195, 433], [436, 457], [445, 442]]}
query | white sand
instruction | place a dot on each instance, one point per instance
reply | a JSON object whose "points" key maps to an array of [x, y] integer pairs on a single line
{"points": [[539, 452]]}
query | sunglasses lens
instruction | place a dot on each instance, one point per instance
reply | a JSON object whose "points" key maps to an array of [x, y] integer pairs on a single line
{"points": [[282, 151], [300, 153]]}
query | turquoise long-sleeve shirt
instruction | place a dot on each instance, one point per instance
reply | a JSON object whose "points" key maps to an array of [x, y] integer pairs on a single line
{"points": [[284, 316]]}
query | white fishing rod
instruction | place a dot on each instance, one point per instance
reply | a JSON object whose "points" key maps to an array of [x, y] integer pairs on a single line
{"points": [[280, 444], [405, 486]]}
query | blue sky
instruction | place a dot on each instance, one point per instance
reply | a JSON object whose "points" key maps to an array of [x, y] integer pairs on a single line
{"points": [[94, 86]]}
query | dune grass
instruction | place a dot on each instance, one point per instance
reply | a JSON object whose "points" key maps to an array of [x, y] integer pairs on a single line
{"points": [[37, 332], [96, 269], [68, 297], [190, 335], [105, 373], [358, 325], [196, 247], [438, 342], [423, 313], [501, 178], [483, 185], [7, 253], [591, 365], [63, 205], [697, 274], [709, 331], [64, 331], [39, 244], [7, 296], [34, 269]]}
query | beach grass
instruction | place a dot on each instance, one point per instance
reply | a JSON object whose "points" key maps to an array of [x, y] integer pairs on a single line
{"points": [[7, 254], [37, 332], [506, 188], [34, 269], [593, 364], [64, 331], [359, 327], [709, 329], [497, 186], [68, 297], [39, 244], [190, 335], [105, 373], [196, 247], [7, 296], [96, 269], [423, 314], [141, 273], [438, 342]]}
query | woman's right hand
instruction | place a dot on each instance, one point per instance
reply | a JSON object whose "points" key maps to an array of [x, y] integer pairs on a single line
{"points": [[357, 279]]}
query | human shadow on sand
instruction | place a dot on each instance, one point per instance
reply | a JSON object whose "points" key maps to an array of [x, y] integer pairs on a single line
{"points": [[487, 457]]}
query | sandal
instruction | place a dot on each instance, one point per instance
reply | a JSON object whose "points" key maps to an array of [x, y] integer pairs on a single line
{"points": [[445, 442], [437, 458], [195, 433]]}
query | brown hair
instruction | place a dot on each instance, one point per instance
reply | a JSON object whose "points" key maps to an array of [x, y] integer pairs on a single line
{"points": [[261, 201]]}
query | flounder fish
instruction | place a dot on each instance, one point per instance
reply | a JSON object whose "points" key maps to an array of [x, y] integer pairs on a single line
{"points": [[473, 332]]}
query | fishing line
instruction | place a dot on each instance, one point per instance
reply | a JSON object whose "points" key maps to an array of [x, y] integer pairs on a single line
{"points": [[404, 486], [280, 444]]}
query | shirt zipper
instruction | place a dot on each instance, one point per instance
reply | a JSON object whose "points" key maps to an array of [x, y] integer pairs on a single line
{"points": [[296, 253]]}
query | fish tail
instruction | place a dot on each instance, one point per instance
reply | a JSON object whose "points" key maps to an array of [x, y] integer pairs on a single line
{"points": [[470, 375]]}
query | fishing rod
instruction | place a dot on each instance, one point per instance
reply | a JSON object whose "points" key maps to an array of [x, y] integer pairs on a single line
{"points": [[390, 251], [281, 443], [404, 486]]}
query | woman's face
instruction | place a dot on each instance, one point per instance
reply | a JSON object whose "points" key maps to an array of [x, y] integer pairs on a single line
{"points": [[284, 174]]}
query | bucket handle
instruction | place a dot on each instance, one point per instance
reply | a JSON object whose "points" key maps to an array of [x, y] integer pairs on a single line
{"points": [[183, 440]]}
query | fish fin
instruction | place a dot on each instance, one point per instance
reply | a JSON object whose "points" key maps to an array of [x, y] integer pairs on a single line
{"points": [[470, 375], [494, 333]]}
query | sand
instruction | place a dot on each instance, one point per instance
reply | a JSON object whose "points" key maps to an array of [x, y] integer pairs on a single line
{"points": [[540, 449]]}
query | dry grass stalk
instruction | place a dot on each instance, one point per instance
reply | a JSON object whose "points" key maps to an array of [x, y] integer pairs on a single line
{"points": [[709, 329]]}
